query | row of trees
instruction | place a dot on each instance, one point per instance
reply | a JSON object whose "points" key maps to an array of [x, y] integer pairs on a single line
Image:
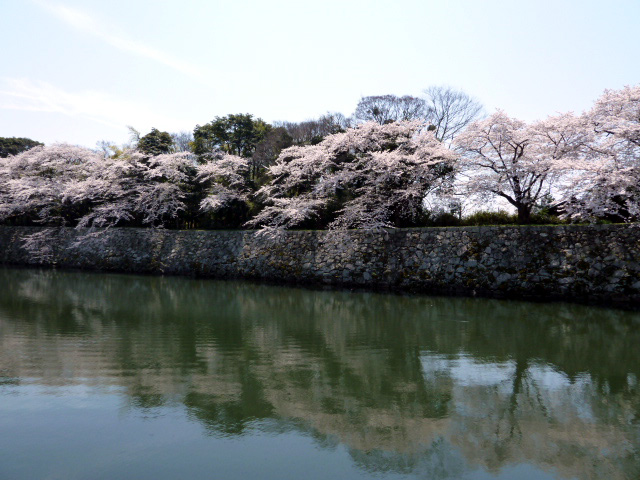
{"points": [[445, 109], [239, 171], [68, 185]]}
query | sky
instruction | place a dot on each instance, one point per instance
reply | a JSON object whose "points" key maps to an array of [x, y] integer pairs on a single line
{"points": [[81, 71]]}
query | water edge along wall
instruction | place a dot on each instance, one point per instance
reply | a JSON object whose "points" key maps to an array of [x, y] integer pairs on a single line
{"points": [[599, 263]]}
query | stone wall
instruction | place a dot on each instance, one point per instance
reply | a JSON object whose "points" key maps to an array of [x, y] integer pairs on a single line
{"points": [[595, 263]]}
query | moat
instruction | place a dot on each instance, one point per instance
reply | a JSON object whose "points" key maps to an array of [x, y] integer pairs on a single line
{"points": [[122, 376]]}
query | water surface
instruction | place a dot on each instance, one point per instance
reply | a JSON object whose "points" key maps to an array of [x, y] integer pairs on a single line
{"points": [[115, 376]]}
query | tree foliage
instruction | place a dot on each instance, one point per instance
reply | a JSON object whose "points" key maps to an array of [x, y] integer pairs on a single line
{"points": [[14, 145], [235, 134], [155, 142]]}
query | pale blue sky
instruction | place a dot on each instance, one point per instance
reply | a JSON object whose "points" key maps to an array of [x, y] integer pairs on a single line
{"points": [[79, 71]]}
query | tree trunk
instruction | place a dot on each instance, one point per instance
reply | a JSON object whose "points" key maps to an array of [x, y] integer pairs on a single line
{"points": [[524, 213]]}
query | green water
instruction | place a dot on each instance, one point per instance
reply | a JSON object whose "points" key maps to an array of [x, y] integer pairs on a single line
{"points": [[129, 377]]}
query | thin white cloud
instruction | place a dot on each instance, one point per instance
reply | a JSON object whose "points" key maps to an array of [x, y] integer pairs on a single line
{"points": [[84, 22], [100, 107]]}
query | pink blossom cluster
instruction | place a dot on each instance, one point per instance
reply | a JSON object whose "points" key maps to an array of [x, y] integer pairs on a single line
{"points": [[370, 176], [69, 185]]}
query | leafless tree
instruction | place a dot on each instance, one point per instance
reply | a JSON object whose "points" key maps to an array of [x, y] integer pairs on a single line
{"points": [[450, 111], [409, 108], [267, 150], [390, 108], [310, 132], [302, 133], [106, 148], [181, 142], [334, 122]]}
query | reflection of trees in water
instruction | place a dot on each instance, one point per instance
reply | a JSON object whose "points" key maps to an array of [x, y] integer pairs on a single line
{"points": [[438, 460], [408, 383], [538, 415]]}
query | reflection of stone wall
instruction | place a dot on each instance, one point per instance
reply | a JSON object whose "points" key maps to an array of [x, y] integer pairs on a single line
{"points": [[583, 262]]}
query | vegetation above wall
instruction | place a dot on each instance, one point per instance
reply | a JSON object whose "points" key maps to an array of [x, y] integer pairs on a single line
{"points": [[401, 162]]}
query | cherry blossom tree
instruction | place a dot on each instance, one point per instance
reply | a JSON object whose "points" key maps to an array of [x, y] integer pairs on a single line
{"points": [[159, 196], [67, 185], [607, 179], [138, 189], [507, 158], [615, 117], [110, 190], [370, 176], [46, 184], [63, 185], [227, 186], [56, 185]]}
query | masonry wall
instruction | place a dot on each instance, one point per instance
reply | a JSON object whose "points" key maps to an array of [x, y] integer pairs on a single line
{"points": [[597, 262]]}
